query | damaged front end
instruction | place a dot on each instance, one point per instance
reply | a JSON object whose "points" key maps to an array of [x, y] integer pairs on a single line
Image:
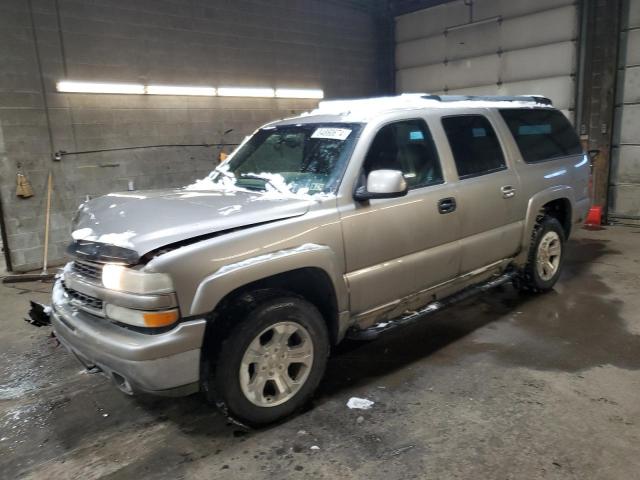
{"points": [[107, 329], [102, 253]]}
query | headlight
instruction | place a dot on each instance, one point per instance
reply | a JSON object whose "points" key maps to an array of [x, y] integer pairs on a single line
{"points": [[117, 277], [140, 318]]}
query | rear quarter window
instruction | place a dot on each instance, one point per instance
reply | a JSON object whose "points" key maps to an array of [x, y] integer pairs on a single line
{"points": [[541, 134]]}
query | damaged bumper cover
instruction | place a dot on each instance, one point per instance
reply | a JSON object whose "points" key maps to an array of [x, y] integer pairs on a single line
{"points": [[163, 364]]}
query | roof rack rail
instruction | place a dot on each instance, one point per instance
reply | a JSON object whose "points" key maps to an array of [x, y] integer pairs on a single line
{"points": [[489, 98]]}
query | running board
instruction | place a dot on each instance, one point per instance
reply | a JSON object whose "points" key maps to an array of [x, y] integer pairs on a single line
{"points": [[412, 317]]}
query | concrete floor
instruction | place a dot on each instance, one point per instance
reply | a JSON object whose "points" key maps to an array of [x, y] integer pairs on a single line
{"points": [[502, 387]]}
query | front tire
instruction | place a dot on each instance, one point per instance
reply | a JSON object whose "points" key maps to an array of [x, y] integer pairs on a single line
{"points": [[272, 361], [546, 256]]}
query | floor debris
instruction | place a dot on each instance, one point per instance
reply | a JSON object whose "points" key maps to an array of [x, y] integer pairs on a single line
{"points": [[39, 315], [401, 450], [359, 403]]}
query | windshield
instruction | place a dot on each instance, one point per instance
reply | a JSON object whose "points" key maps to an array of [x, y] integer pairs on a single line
{"points": [[304, 159]]}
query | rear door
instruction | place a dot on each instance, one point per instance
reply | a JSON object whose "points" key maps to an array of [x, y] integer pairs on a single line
{"points": [[489, 200], [397, 246]]}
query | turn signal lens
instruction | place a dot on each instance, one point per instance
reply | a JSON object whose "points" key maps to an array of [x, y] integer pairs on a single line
{"points": [[160, 319], [141, 318]]}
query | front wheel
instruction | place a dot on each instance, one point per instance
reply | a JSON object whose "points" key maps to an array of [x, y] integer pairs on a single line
{"points": [[272, 361], [546, 256]]}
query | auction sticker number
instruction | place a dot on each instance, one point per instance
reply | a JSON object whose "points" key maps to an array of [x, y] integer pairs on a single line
{"points": [[331, 133]]}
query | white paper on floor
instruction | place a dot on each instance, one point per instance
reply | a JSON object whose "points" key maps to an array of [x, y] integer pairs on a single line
{"points": [[359, 403]]}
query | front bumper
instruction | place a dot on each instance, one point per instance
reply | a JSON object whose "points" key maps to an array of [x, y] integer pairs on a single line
{"points": [[163, 364]]}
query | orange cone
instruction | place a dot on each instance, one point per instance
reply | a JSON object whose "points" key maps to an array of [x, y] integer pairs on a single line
{"points": [[594, 217]]}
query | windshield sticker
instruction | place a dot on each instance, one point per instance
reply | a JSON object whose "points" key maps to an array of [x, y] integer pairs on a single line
{"points": [[331, 133]]}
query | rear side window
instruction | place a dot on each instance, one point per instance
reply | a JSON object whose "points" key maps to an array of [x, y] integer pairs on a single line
{"points": [[541, 134], [475, 146]]}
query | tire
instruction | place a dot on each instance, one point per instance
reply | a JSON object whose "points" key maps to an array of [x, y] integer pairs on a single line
{"points": [[546, 256], [258, 385]]}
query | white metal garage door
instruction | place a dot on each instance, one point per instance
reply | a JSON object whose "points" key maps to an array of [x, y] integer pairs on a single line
{"points": [[490, 47], [624, 190]]}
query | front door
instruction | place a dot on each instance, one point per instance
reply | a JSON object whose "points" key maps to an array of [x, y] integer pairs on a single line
{"points": [[395, 247]]}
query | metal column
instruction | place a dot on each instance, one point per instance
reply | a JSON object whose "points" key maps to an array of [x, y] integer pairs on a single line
{"points": [[599, 85]]}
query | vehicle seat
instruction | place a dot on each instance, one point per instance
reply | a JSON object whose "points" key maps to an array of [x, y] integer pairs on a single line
{"points": [[417, 159]]}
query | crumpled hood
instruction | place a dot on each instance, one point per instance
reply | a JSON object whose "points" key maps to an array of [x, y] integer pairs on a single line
{"points": [[146, 220]]}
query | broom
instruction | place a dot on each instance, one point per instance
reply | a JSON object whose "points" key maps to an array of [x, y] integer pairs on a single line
{"points": [[44, 275]]}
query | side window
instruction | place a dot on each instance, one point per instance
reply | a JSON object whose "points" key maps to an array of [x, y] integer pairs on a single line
{"points": [[475, 146], [406, 146], [541, 134]]}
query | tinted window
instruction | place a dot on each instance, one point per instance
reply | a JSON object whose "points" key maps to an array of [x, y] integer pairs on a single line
{"points": [[541, 134], [406, 146], [476, 149]]}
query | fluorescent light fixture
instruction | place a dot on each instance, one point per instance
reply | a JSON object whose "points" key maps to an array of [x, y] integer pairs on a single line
{"points": [[67, 86], [90, 87], [246, 92], [298, 93], [170, 90]]}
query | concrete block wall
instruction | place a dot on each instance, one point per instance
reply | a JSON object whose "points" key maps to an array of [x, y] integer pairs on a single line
{"points": [[275, 43]]}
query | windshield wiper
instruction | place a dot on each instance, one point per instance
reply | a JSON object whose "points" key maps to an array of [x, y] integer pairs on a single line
{"points": [[252, 176], [226, 173]]}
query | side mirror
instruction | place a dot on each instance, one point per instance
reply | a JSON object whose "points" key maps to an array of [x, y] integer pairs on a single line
{"points": [[382, 184]]}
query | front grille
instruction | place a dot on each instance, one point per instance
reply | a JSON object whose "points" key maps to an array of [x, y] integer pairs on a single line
{"points": [[81, 300], [86, 269]]}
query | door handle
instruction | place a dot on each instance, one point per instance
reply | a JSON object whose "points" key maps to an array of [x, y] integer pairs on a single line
{"points": [[446, 205], [508, 191]]}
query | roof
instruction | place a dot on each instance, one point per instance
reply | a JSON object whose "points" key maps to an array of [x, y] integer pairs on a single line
{"points": [[365, 109], [362, 110]]}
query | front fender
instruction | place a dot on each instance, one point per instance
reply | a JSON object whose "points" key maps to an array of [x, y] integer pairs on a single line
{"points": [[535, 204], [228, 278]]}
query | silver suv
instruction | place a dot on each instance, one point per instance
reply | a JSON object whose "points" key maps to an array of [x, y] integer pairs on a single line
{"points": [[357, 218]]}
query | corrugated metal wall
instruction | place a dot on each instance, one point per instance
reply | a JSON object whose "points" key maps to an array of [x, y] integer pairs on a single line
{"points": [[624, 189], [490, 47]]}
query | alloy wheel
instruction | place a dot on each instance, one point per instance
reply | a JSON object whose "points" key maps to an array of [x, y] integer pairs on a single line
{"points": [[276, 364], [548, 255]]}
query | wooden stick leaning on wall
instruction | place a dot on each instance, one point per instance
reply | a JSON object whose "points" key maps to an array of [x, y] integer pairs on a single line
{"points": [[45, 256]]}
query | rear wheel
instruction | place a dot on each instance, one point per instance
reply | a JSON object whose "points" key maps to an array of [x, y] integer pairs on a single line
{"points": [[272, 361], [545, 256]]}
